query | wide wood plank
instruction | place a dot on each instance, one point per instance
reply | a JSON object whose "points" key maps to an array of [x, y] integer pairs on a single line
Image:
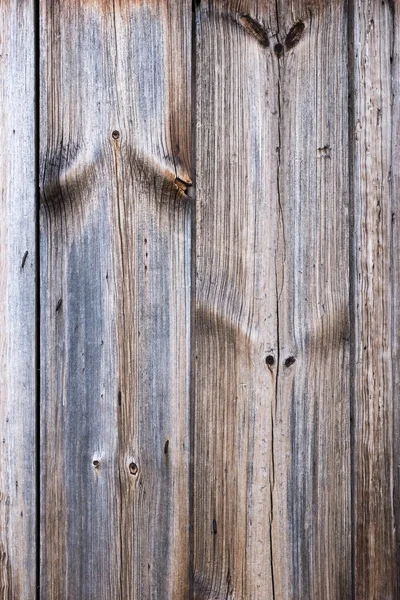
{"points": [[115, 291], [376, 317], [17, 303], [271, 337]]}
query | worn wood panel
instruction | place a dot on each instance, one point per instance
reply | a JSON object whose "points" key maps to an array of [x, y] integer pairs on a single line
{"points": [[376, 268], [17, 303], [395, 273], [235, 324], [312, 516], [115, 287], [271, 324]]}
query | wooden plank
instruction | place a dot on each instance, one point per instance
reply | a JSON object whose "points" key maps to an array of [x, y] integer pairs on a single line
{"points": [[312, 528], [395, 273], [271, 383], [115, 288], [376, 269], [17, 303], [235, 307]]}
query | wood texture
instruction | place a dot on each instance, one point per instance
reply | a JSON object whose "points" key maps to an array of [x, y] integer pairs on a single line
{"points": [[17, 303], [312, 493], [272, 412], [376, 276], [115, 282], [395, 288], [219, 363]]}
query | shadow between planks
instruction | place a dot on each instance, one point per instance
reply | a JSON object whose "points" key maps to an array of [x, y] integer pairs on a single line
{"points": [[214, 260]]}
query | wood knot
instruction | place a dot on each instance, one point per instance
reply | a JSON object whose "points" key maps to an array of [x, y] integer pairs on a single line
{"points": [[115, 134], [182, 185], [255, 29], [133, 468], [270, 360], [278, 49], [289, 361], [294, 35], [324, 152]]}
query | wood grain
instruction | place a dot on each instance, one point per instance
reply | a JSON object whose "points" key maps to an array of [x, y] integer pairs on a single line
{"points": [[284, 315], [376, 276], [395, 289], [115, 290], [312, 525], [271, 372], [17, 303]]}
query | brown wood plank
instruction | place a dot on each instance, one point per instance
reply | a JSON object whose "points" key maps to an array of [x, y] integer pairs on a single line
{"points": [[115, 287], [17, 303], [235, 309], [271, 373], [395, 271], [376, 269], [312, 529]]}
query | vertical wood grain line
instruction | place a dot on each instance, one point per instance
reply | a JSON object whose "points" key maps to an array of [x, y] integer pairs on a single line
{"points": [[352, 297], [36, 9], [192, 196]]}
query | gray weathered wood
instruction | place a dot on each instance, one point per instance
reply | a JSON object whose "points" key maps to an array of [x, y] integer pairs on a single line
{"points": [[115, 290], [17, 303], [395, 289], [271, 360], [312, 524], [376, 318]]}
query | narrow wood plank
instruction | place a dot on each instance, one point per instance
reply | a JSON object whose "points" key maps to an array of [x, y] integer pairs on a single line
{"points": [[17, 303], [312, 526], [235, 309], [271, 374], [395, 273], [115, 167], [376, 271]]}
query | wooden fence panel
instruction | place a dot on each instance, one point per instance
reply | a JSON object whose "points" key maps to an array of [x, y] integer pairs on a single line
{"points": [[17, 303], [217, 421], [271, 358], [376, 276], [115, 287]]}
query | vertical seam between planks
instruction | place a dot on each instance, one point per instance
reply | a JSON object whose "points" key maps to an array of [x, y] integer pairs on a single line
{"points": [[352, 264], [36, 18], [192, 348]]}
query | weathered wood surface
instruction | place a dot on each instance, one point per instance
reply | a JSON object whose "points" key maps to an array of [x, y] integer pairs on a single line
{"points": [[312, 494], [115, 286], [376, 301], [17, 303], [219, 363], [272, 411], [395, 296]]}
